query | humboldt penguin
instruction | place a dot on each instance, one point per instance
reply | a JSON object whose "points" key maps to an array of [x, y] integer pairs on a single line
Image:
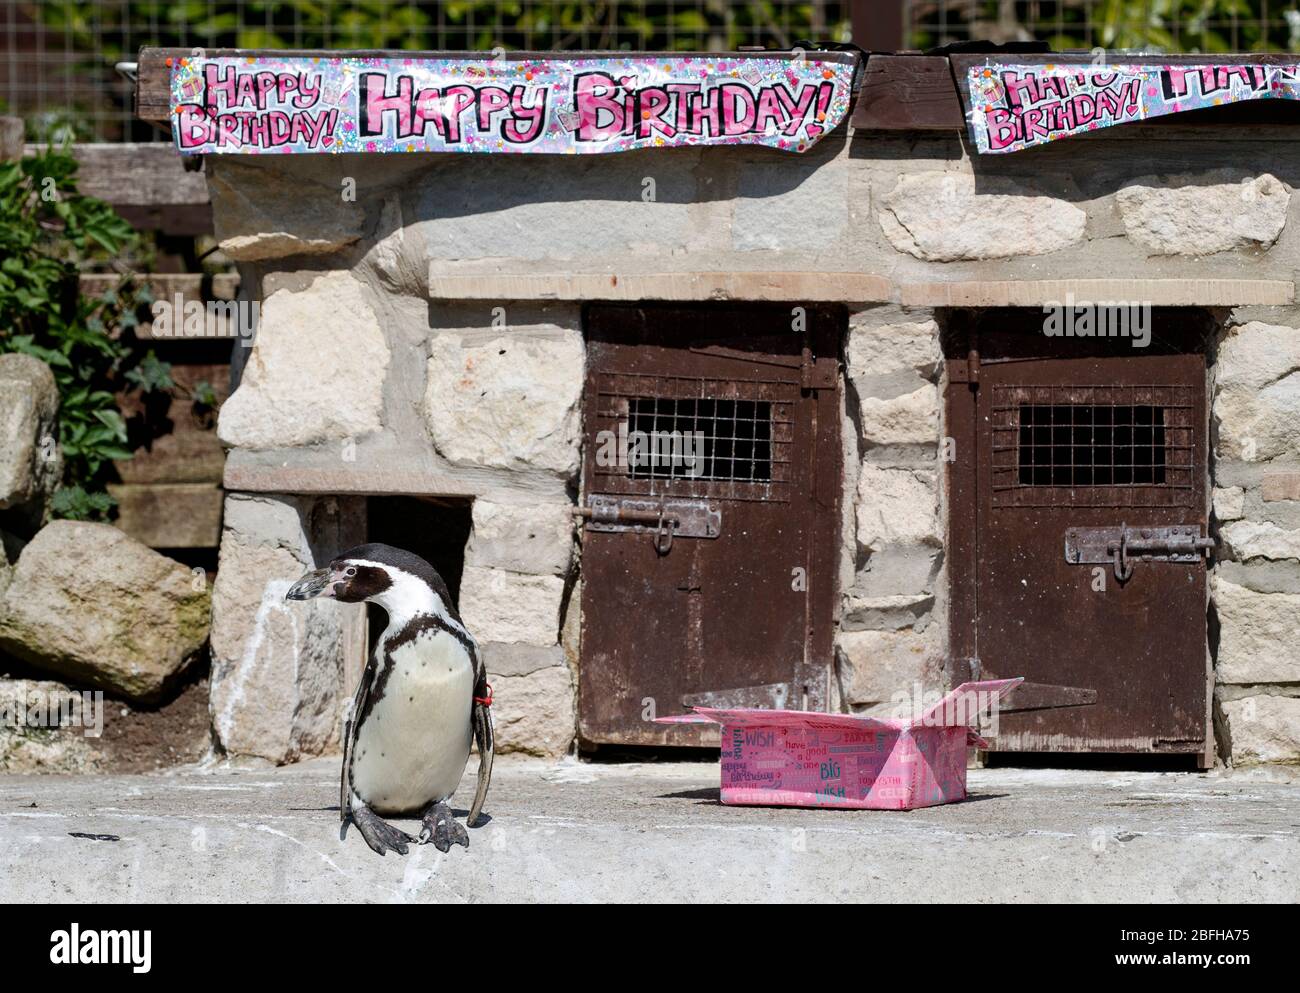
{"points": [[423, 699]]}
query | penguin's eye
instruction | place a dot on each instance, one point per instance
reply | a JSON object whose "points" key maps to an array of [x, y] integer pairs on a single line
{"points": [[350, 571]]}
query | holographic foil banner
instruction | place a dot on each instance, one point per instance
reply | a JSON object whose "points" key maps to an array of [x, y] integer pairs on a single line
{"points": [[610, 104], [1019, 106]]}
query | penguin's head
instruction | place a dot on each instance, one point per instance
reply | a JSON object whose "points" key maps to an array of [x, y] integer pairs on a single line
{"points": [[397, 580]]}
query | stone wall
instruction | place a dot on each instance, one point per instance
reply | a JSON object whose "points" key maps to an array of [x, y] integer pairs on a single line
{"points": [[893, 629], [1256, 500], [478, 398]]}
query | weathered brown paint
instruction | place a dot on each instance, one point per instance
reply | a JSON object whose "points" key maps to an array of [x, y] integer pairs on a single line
{"points": [[714, 614], [1119, 670]]}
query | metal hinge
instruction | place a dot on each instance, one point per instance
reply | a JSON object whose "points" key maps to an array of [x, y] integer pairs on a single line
{"points": [[818, 373]]}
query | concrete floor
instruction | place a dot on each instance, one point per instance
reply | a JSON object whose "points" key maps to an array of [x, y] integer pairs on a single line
{"points": [[571, 831]]}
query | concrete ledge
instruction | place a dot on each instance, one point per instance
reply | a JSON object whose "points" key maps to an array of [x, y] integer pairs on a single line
{"points": [[1155, 292], [316, 470], [836, 287], [571, 831]]}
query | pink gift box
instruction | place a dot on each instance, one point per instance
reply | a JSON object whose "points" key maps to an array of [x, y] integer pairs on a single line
{"points": [[797, 758]]}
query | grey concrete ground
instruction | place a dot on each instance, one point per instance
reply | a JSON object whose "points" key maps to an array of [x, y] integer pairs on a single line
{"points": [[572, 831]]}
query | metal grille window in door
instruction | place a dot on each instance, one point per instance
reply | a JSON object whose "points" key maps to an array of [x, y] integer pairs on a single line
{"points": [[1092, 446], [695, 437]]}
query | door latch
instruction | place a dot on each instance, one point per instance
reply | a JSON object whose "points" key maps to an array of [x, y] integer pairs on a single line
{"points": [[1122, 546], [663, 519]]}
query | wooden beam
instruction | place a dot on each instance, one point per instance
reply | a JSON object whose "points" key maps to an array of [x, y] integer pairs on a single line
{"points": [[136, 175], [908, 93], [1153, 292], [878, 25], [835, 287]]}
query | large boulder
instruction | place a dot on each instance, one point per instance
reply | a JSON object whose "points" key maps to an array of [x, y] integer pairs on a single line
{"points": [[45, 727], [96, 607], [30, 463]]}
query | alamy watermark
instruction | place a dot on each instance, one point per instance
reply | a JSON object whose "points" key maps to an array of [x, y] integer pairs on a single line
{"points": [[1109, 319], [930, 708], [190, 318], [626, 449], [33, 707]]}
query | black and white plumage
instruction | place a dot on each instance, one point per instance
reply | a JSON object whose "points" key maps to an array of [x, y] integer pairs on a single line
{"points": [[422, 701]]}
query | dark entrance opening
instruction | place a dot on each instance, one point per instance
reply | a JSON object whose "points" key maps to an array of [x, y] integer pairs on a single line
{"points": [[434, 528]]}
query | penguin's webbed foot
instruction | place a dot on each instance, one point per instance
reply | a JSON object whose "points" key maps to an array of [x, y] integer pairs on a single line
{"points": [[440, 827], [381, 836]]}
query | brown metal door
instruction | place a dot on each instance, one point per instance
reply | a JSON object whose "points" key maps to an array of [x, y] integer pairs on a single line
{"points": [[1088, 562], [735, 601]]}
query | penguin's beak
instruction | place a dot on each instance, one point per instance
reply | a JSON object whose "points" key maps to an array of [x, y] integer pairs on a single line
{"points": [[316, 583]]}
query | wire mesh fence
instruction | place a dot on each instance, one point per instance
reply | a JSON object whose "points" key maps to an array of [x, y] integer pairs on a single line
{"points": [[58, 55]]}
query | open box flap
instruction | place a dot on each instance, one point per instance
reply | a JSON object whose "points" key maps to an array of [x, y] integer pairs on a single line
{"points": [[754, 717], [964, 705]]}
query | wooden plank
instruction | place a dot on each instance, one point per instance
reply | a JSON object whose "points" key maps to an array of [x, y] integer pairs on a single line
{"points": [[153, 75], [908, 93], [137, 175], [188, 287], [180, 444], [11, 138], [835, 287], [171, 515], [1154, 292]]}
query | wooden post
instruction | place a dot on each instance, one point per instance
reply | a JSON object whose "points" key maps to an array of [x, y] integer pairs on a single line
{"points": [[878, 25], [11, 138]]}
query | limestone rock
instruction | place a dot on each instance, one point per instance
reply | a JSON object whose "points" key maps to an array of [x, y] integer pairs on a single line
{"points": [[881, 670], [1201, 215], [316, 371], [1229, 502], [509, 401], [897, 506], [278, 669], [910, 419], [45, 728], [1263, 728], [1261, 540], [899, 570], [30, 461], [95, 606], [939, 217], [534, 713], [529, 538], [885, 613], [510, 607], [877, 351], [1256, 634], [259, 213], [1257, 393]]}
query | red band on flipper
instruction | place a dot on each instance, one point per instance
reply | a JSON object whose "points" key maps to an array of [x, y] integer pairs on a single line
{"points": [[485, 700]]}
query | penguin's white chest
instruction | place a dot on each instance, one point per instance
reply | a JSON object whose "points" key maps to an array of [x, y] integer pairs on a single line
{"points": [[413, 745]]}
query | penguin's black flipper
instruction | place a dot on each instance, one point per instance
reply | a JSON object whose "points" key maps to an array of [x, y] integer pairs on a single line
{"points": [[350, 731], [481, 718]]}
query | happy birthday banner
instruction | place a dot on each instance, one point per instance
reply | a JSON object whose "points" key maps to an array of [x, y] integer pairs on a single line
{"points": [[301, 104], [1019, 106]]}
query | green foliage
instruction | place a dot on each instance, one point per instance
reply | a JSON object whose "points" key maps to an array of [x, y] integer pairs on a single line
{"points": [[75, 504], [48, 234], [424, 24]]}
